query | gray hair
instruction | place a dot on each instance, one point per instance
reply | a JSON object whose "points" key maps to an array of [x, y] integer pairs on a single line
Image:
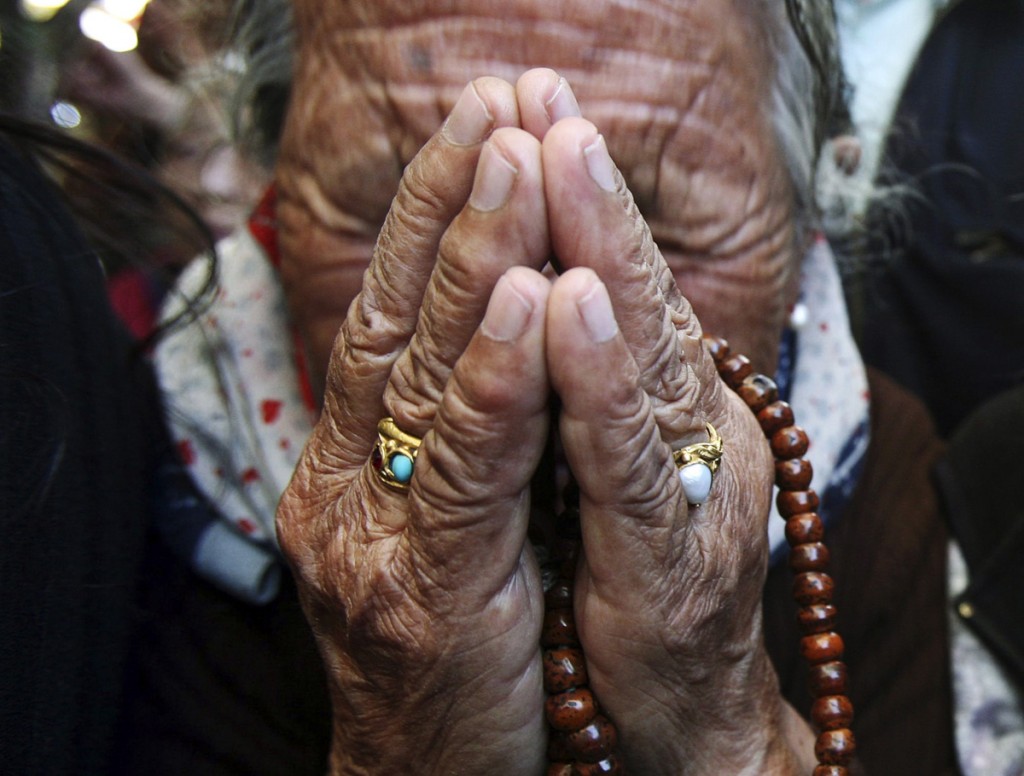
{"points": [[796, 114], [262, 54]]}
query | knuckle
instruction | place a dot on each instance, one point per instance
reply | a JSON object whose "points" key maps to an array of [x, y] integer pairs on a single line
{"points": [[660, 363], [287, 526], [422, 203], [414, 392], [369, 331], [369, 593], [686, 325], [455, 481], [455, 256], [459, 477], [299, 510], [334, 451], [295, 503], [625, 405], [388, 616], [637, 486], [476, 457], [677, 392], [477, 396]]}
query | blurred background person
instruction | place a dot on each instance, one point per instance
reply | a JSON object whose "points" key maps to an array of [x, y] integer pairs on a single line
{"points": [[935, 275], [84, 456], [939, 267], [151, 82]]}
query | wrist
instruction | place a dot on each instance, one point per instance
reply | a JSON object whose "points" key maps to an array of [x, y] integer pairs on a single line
{"points": [[411, 749], [740, 726], [437, 732]]}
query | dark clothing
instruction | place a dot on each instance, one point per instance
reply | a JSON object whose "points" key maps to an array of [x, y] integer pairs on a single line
{"points": [[225, 687], [888, 558], [940, 311], [78, 420], [236, 689], [980, 480]]}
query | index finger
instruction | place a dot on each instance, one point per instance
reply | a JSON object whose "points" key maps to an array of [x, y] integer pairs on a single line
{"points": [[383, 317]]}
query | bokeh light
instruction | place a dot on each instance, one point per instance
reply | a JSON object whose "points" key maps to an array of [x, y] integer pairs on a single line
{"points": [[65, 115], [41, 10], [114, 33], [125, 10], [111, 23]]}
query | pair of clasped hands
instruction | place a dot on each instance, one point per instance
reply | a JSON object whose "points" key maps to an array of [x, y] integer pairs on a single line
{"points": [[427, 604]]}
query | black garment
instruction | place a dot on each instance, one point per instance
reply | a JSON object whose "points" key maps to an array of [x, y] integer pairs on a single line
{"points": [[981, 484], [77, 421], [115, 658], [224, 688], [942, 311]]}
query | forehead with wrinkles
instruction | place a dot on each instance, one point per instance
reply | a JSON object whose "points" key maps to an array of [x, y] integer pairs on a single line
{"points": [[651, 53], [682, 90], [656, 76]]}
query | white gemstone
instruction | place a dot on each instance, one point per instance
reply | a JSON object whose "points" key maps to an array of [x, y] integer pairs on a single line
{"points": [[696, 479]]}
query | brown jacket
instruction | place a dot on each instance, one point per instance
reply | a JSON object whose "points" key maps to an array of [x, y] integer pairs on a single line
{"points": [[888, 552]]}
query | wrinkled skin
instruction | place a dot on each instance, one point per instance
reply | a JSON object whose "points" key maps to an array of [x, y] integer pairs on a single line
{"points": [[427, 605]]}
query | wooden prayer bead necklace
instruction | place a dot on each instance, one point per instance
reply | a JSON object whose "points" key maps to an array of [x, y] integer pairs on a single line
{"points": [[582, 740]]}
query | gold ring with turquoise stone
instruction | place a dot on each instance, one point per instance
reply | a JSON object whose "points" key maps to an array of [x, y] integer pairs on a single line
{"points": [[394, 455]]}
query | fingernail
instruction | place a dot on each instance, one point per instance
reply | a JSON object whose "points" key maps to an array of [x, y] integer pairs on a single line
{"points": [[600, 165], [507, 314], [470, 121], [562, 103], [493, 182], [596, 311]]}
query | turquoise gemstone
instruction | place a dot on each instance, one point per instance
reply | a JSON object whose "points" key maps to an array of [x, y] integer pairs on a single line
{"points": [[401, 466]]}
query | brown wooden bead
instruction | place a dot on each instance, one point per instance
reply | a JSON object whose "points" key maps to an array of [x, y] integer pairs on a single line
{"points": [[821, 647], [775, 416], [789, 442], [817, 618], [827, 678], [812, 587], [594, 742], [563, 669], [794, 474], [610, 766], [559, 596], [758, 391], [835, 747], [734, 370], [831, 712], [804, 529], [582, 740], [813, 556], [717, 347], [796, 502], [570, 710], [559, 629]]}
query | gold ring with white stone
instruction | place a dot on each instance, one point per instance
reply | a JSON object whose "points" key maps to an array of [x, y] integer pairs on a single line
{"points": [[697, 465]]}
